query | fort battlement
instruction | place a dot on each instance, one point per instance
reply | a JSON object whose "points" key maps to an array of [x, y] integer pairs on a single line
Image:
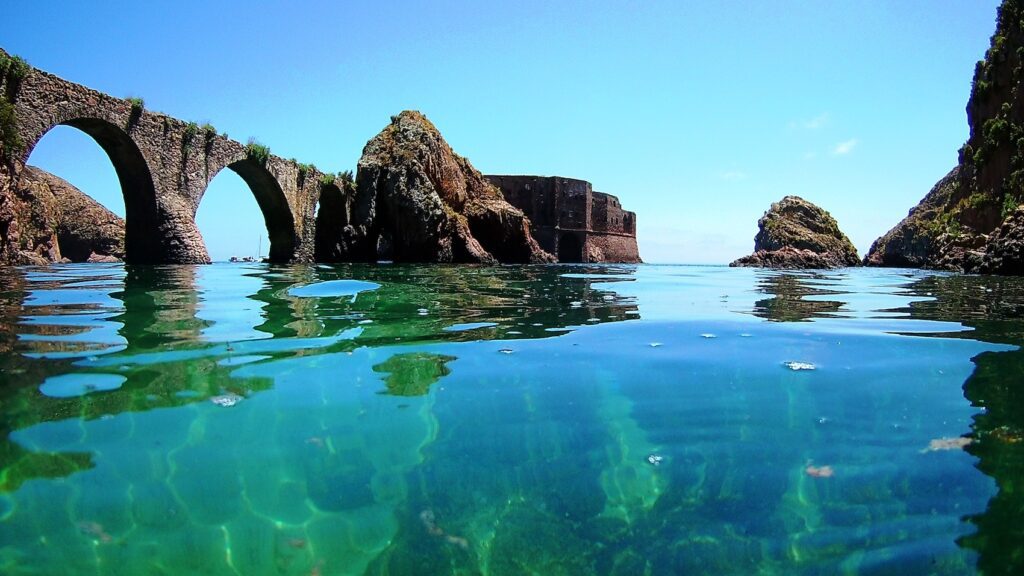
{"points": [[571, 220]]}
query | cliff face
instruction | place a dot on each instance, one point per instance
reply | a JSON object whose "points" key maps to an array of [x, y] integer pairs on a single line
{"points": [[952, 226], [418, 201], [795, 233], [52, 221]]}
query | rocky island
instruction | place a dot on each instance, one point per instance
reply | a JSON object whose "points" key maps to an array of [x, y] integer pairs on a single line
{"points": [[795, 233], [970, 221]]}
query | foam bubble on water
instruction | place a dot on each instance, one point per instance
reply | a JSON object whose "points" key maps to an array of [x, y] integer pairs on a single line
{"points": [[797, 366], [226, 400]]}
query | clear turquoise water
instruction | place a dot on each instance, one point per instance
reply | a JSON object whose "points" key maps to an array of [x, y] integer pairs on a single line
{"points": [[252, 419]]}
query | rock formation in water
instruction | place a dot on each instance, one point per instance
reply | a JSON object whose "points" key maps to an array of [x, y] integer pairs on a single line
{"points": [[971, 212], [794, 233], [52, 221], [418, 201]]}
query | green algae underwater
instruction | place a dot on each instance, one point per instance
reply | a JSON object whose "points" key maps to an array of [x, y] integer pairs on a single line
{"points": [[392, 419]]}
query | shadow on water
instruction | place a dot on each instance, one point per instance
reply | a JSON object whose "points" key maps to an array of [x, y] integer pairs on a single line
{"points": [[150, 325], [994, 308]]}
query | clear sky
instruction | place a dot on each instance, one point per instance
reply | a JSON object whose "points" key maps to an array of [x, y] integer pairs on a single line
{"points": [[696, 114]]}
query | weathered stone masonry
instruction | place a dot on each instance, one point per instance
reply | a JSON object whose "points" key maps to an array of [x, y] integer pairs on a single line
{"points": [[164, 166], [572, 221]]}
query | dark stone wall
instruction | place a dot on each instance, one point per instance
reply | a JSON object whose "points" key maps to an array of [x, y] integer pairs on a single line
{"points": [[557, 206]]}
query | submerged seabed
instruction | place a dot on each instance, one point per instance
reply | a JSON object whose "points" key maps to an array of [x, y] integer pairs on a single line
{"points": [[252, 419]]}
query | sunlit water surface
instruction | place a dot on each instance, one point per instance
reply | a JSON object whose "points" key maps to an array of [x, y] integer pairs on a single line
{"points": [[252, 419]]}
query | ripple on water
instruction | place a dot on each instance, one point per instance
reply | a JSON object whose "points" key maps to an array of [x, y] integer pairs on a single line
{"points": [[70, 385], [239, 360], [469, 326], [333, 289]]}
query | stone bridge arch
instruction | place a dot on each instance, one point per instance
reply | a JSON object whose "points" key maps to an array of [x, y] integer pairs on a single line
{"points": [[273, 203], [164, 166], [130, 165]]}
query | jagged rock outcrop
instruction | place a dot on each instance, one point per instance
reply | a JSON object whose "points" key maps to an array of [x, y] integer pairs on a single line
{"points": [[1004, 252], [418, 201], [953, 226], [55, 222], [795, 233]]}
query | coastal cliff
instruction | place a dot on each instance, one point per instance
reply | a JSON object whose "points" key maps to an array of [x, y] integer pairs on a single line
{"points": [[954, 227], [416, 200], [52, 221], [795, 233]]}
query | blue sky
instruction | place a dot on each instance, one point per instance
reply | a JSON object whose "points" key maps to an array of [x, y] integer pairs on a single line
{"points": [[696, 114]]}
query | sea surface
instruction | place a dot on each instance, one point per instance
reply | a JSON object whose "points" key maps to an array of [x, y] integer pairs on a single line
{"points": [[253, 419]]}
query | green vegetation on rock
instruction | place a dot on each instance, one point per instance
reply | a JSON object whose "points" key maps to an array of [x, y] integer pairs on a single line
{"points": [[257, 152], [9, 138], [950, 228]]}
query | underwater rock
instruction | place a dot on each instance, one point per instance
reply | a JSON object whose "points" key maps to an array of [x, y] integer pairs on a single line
{"points": [[226, 400], [819, 471], [939, 444], [795, 233]]}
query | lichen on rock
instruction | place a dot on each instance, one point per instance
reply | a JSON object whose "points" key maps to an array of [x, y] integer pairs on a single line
{"points": [[795, 233], [418, 201]]}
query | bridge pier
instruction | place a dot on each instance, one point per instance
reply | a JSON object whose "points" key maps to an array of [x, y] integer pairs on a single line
{"points": [[164, 166]]}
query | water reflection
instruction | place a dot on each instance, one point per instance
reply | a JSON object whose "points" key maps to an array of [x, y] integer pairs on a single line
{"points": [[789, 302], [994, 308], [177, 335], [412, 374], [466, 420]]}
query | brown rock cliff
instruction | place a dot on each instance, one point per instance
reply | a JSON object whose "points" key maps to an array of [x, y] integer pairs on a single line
{"points": [[795, 233], [418, 201]]}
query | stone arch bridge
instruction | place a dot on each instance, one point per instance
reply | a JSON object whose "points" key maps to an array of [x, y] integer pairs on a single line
{"points": [[164, 166]]}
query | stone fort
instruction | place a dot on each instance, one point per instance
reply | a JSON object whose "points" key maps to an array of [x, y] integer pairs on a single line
{"points": [[572, 221]]}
